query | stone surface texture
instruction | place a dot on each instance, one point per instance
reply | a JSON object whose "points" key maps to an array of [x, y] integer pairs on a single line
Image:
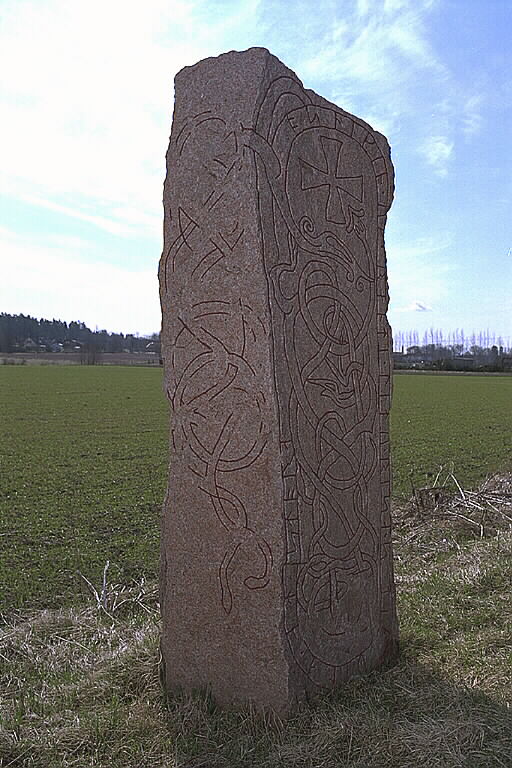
{"points": [[276, 562]]}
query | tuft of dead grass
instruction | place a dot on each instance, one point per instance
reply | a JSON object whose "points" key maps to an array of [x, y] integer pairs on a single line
{"points": [[486, 510], [80, 686]]}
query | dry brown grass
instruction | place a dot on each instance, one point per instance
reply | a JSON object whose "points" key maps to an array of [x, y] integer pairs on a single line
{"points": [[80, 686]]}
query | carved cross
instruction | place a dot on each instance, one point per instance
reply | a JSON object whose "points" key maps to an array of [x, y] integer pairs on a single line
{"points": [[345, 193]]}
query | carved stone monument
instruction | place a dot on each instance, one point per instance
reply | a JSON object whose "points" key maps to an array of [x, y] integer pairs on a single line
{"points": [[276, 563]]}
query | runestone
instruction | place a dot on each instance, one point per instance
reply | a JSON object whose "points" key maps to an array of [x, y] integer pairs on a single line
{"points": [[276, 563]]}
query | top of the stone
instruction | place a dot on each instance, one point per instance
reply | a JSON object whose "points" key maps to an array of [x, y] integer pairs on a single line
{"points": [[257, 61], [254, 53]]}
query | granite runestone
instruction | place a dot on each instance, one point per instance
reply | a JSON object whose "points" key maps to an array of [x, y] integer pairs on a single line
{"points": [[276, 562]]}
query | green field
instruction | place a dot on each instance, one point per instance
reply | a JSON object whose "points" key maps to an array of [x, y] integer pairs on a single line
{"points": [[83, 457], [83, 464], [458, 420], [83, 454]]}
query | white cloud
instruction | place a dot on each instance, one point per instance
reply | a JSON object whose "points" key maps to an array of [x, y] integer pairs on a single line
{"points": [[381, 64], [422, 247], [392, 6], [87, 99], [363, 7], [85, 108], [416, 306], [437, 151], [472, 117]]}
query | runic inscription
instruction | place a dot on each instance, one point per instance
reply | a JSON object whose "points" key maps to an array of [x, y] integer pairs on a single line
{"points": [[276, 571]]}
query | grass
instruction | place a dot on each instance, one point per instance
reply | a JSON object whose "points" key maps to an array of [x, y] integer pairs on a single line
{"points": [[83, 455], [81, 688], [450, 419]]}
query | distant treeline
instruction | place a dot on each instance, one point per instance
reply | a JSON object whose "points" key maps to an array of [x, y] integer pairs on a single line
{"points": [[21, 333], [434, 349], [457, 340], [453, 358], [455, 351]]}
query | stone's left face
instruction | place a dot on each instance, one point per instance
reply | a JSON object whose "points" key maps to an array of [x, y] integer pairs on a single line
{"points": [[277, 568], [218, 418]]}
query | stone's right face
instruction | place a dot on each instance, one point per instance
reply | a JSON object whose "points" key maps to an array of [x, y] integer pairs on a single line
{"points": [[322, 211], [333, 206], [335, 611], [331, 168]]}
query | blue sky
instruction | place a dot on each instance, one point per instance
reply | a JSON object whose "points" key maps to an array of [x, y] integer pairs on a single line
{"points": [[86, 106]]}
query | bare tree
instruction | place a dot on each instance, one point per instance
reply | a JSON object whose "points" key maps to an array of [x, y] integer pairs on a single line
{"points": [[90, 354]]}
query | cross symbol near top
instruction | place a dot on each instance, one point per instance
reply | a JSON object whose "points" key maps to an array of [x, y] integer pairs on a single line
{"points": [[341, 189]]}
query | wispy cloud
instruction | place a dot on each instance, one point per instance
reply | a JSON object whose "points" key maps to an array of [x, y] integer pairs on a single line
{"points": [[120, 224], [362, 8], [86, 110], [374, 54], [379, 61], [422, 247], [437, 151], [472, 115]]}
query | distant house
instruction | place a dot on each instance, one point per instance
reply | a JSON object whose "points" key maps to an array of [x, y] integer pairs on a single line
{"points": [[29, 345], [399, 360], [71, 345], [464, 363]]}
